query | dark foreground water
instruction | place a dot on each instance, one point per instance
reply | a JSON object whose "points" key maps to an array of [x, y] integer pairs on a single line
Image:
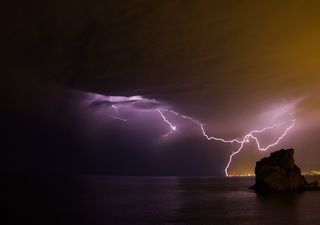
{"points": [[151, 200]]}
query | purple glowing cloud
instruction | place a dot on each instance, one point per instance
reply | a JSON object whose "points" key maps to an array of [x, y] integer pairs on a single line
{"points": [[281, 119]]}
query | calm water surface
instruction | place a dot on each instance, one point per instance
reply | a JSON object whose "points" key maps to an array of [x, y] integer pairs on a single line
{"points": [[169, 200]]}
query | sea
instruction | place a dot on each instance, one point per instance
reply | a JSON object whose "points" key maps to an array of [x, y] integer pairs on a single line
{"points": [[99, 200]]}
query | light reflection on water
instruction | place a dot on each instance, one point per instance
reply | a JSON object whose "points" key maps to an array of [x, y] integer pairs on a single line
{"points": [[178, 200]]}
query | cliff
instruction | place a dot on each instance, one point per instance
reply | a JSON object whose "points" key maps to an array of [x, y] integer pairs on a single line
{"points": [[278, 172]]}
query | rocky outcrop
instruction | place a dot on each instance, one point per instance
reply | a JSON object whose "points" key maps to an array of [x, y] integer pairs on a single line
{"points": [[278, 172]]}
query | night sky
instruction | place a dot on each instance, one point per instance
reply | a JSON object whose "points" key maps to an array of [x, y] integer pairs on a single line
{"points": [[233, 65]]}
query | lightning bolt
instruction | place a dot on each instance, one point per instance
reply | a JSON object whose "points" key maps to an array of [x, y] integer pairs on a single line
{"points": [[163, 110], [118, 118], [173, 128], [241, 142], [115, 107], [246, 139]]}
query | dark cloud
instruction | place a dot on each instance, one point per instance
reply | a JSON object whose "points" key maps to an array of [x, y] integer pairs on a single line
{"points": [[224, 63]]}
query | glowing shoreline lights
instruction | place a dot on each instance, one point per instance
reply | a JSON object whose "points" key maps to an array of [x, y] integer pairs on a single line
{"points": [[141, 103]]}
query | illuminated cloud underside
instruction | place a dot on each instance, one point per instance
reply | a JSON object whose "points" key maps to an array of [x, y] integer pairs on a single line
{"points": [[146, 105]]}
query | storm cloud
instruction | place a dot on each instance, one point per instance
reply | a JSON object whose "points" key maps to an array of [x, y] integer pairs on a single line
{"points": [[231, 65]]}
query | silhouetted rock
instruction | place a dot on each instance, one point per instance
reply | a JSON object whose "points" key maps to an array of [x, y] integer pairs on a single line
{"points": [[278, 172]]}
